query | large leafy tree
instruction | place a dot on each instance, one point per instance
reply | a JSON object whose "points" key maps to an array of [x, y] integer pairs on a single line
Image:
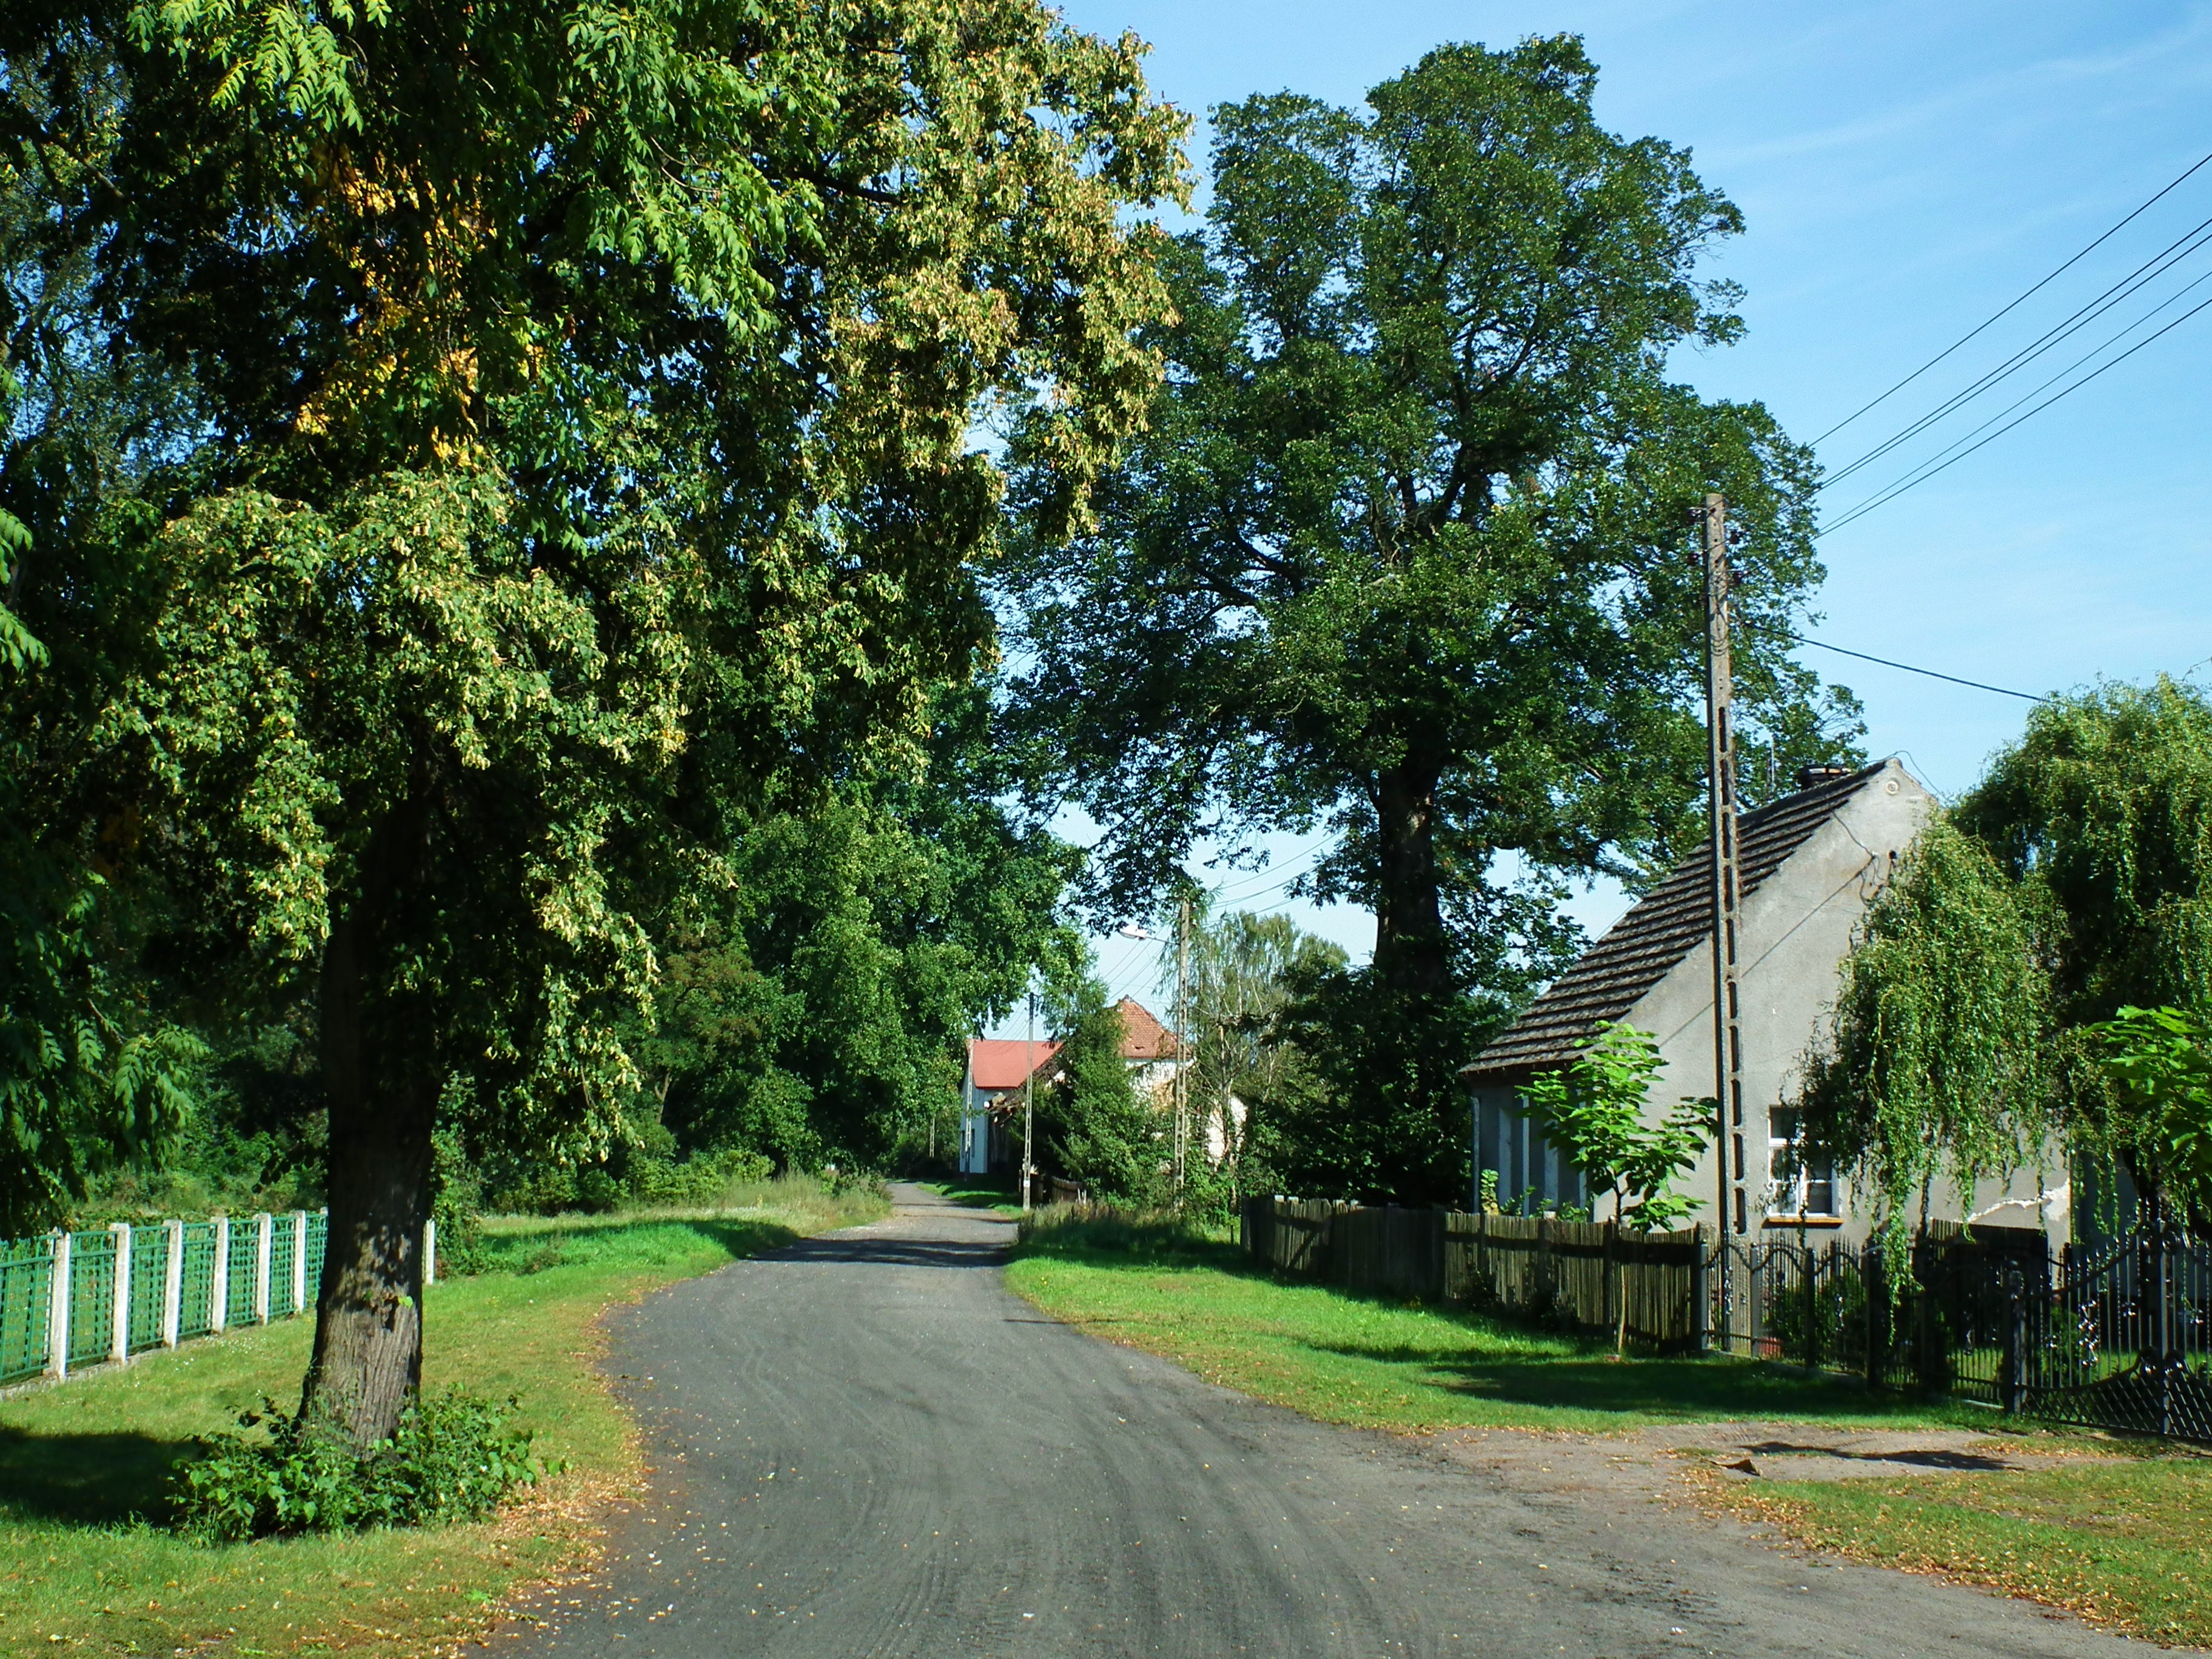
{"points": [[1405, 550], [586, 454], [821, 1007], [95, 1067]]}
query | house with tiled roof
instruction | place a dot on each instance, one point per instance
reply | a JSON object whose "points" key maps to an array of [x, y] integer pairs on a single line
{"points": [[1809, 863], [990, 1141]]}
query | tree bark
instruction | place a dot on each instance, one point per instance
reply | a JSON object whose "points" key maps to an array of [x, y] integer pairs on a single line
{"points": [[1410, 952], [368, 1363]]}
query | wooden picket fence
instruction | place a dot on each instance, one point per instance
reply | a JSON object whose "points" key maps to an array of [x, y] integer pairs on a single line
{"points": [[1576, 1273]]}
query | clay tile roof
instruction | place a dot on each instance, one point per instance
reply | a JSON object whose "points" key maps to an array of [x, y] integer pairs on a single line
{"points": [[1144, 1037], [1665, 926], [997, 1063]]}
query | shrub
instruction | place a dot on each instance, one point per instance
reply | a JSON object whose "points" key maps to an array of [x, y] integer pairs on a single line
{"points": [[1155, 1234], [454, 1458]]}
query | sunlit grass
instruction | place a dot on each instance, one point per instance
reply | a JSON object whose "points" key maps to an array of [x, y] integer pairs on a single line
{"points": [[82, 1558], [1380, 1364], [2125, 1542]]}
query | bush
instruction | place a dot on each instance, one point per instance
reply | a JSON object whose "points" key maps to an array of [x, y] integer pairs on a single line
{"points": [[453, 1459], [1155, 1234]]}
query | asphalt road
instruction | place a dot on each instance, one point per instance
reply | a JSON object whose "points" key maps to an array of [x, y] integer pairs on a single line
{"points": [[866, 1445]]}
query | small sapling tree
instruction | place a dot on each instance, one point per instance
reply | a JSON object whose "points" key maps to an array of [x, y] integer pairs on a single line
{"points": [[1593, 1112]]}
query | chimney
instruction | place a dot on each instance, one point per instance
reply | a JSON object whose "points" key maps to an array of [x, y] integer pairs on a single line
{"points": [[1811, 777]]}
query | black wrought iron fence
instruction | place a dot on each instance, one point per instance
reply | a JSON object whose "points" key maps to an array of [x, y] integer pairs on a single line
{"points": [[2110, 1336]]}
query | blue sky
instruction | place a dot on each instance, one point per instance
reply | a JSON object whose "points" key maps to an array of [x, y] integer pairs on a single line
{"points": [[1905, 170]]}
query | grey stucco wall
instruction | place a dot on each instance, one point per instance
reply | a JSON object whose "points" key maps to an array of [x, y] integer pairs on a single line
{"points": [[1797, 928]]}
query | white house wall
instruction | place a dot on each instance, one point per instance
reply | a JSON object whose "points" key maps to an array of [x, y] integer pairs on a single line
{"points": [[1796, 928]]}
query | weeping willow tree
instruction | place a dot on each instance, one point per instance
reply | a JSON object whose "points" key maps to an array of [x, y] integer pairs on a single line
{"points": [[2102, 815], [2074, 882], [1937, 1071]]}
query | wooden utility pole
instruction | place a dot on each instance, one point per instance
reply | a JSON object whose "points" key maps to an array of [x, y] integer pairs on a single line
{"points": [[1182, 1059], [1728, 1149], [1029, 1103]]}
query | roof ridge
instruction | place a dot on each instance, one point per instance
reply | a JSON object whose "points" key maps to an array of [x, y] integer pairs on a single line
{"points": [[1672, 918]]}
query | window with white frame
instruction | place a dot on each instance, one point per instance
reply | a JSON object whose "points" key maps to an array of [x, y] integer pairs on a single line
{"points": [[1803, 1181]]}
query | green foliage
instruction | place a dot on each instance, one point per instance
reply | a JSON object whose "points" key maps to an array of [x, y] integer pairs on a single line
{"points": [[454, 1458], [1243, 969], [534, 448], [1089, 1120], [2159, 1061], [1594, 1112], [1401, 552], [1936, 1066], [2103, 811], [1375, 1111], [251, 1139], [817, 1012]]}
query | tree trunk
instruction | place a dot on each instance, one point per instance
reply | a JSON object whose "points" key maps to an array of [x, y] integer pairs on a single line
{"points": [[382, 1091], [1411, 954]]}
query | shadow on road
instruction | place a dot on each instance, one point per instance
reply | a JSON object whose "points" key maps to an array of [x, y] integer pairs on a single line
{"points": [[865, 1252]]}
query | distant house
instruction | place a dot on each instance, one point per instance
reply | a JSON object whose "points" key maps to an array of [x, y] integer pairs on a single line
{"points": [[1809, 864], [991, 1096]]}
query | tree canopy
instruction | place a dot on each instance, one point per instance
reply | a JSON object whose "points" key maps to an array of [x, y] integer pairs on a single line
{"points": [[1404, 550], [583, 470]]}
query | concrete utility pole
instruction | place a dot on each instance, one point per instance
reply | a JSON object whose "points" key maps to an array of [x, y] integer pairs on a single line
{"points": [[1727, 1036], [1029, 1103], [1182, 1059]]}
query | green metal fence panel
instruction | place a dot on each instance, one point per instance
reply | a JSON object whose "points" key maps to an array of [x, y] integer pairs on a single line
{"points": [[91, 1296], [318, 1236], [149, 1284], [196, 1316], [283, 1249], [26, 1291], [243, 1234]]}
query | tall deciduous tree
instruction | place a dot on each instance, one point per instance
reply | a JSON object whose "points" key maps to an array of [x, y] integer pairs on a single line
{"points": [[589, 393], [1405, 549]]}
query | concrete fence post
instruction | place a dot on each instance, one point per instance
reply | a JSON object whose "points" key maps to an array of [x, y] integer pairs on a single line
{"points": [[58, 1311], [219, 1281], [430, 1251], [118, 1324], [219, 1278], [299, 1261], [173, 1284], [264, 1227]]}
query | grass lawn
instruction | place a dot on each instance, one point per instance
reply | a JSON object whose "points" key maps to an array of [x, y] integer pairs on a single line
{"points": [[1382, 1364], [84, 1564], [2126, 1543]]}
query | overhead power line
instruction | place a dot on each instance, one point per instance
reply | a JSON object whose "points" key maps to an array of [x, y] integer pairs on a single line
{"points": [[1909, 668], [2125, 289], [1948, 461], [2004, 311]]}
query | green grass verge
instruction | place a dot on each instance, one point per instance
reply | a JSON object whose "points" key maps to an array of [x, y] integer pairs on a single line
{"points": [[2125, 1543], [1384, 1364], [85, 1566]]}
